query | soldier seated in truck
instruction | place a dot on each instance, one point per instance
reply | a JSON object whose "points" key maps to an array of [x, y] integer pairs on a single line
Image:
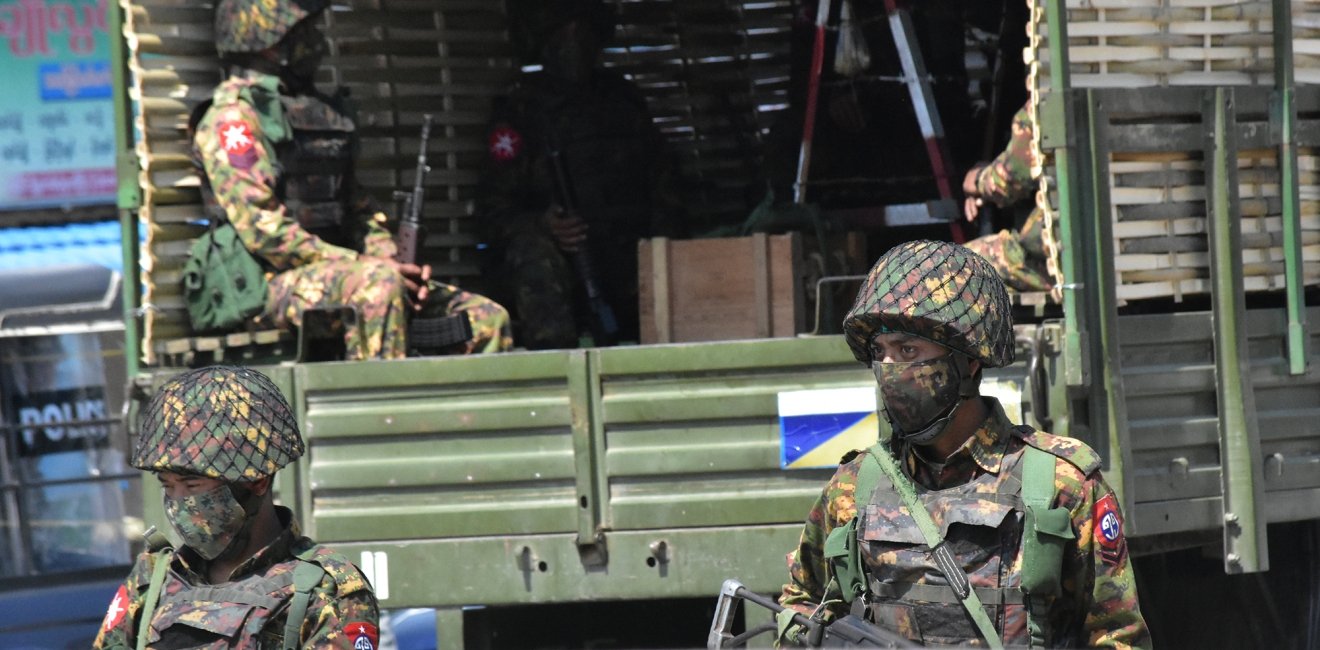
{"points": [[276, 158], [576, 175]]}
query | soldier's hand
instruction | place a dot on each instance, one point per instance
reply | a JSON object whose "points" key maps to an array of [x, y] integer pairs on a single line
{"points": [[568, 229], [972, 203], [416, 279]]}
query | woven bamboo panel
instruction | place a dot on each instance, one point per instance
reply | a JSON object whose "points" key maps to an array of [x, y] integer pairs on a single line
{"points": [[1158, 207], [1135, 43]]}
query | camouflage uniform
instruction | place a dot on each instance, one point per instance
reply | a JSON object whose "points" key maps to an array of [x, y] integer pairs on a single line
{"points": [[1018, 255], [232, 425], [612, 154], [279, 168], [946, 294], [340, 602]]}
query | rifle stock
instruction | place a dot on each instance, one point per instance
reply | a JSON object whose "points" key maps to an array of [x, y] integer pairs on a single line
{"points": [[846, 632]]}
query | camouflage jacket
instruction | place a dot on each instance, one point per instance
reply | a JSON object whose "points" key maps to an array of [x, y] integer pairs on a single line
{"points": [[611, 152], [342, 608], [1098, 607], [1011, 176], [235, 144]]}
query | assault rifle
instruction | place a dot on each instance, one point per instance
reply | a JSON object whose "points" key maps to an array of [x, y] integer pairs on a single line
{"points": [[846, 632], [411, 233], [604, 327], [426, 335]]}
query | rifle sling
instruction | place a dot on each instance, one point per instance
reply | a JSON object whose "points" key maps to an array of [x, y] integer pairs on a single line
{"points": [[952, 571]]}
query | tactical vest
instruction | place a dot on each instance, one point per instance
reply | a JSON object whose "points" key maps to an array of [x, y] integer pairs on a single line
{"points": [[981, 523], [316, 167]]}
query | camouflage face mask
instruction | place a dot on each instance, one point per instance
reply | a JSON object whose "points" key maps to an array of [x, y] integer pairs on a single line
{"points": [[208, 523], [919, 397]]}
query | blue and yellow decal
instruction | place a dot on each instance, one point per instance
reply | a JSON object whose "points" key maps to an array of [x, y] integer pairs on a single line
{"points": [[817, 427]]}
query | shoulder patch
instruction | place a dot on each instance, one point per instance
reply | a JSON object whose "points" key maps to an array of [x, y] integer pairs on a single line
{"points": [[118, 608], [505, 143], [363, 635], [238, 140], [1077, 453]]}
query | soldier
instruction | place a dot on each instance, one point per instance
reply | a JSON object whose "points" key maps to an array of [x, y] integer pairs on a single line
{"points": [[611, 158], [277, 160], [245, 576], [1018, 255], [930, 317]]}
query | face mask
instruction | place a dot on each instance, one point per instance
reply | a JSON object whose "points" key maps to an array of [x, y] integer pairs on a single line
{"points": [[208, 523], [919, 397]]}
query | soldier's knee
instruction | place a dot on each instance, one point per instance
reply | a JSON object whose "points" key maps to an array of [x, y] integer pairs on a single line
{"points": [[383, 277]]}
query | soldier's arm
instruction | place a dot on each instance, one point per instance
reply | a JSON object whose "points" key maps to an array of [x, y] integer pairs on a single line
{"points": [[377, 241], [241, 166], [119, 627], [342, 609], [1008, 178], [808, 574], [1106, 586], [515, 187]]}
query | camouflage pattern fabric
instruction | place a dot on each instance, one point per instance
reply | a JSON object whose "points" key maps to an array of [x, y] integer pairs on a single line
{"points": [[236, 145], [1018, 255], [226, 423], [614, 157], [246, 612], [254, 25], [975, 487], [938, 291]]}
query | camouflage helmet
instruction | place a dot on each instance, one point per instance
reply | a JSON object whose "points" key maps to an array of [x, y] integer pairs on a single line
{"points": [[940, 292], [254, 25], [222, 422], [532, 21]]}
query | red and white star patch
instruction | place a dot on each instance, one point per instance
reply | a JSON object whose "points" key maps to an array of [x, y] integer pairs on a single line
{"points": [[117, 610], [505, 143], [238, 142], [363, 635], [1108, 529]]}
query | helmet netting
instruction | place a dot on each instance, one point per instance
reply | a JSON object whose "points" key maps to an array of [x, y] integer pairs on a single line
{"points": [[223, 422], [938, 291]]}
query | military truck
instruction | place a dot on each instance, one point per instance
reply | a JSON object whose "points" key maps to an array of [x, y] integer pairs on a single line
{"points": [[601, 496]]}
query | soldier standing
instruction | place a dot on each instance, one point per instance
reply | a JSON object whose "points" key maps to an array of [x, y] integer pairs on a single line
{"points": [[277, 159], [610, 157], [245, 576], [930, 317], [1018, 255]]}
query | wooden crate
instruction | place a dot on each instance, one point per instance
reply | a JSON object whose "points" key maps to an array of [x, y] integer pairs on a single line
{"points": [[720, 289]]}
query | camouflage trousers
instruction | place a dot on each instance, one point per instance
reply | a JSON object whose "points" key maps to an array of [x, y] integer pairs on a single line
{"points": [[1018, 256], [546, 292], [378, 293]]}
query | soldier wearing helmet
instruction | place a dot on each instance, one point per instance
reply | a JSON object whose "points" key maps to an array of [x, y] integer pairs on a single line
{"points": [[614, 188], [929, 319], [276, 157], [244, 576]]}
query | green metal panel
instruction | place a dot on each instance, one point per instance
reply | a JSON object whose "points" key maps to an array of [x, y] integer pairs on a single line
{"points": [[517, 569], [1170, 383], [692, 431], [1284, 114], [1245, 548], [441, 447]]}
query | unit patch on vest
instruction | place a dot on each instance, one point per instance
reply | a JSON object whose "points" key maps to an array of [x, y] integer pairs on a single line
{"points": [[505, 143], [1108, 529], [118, 608], [237, 140], [363, 635]]}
